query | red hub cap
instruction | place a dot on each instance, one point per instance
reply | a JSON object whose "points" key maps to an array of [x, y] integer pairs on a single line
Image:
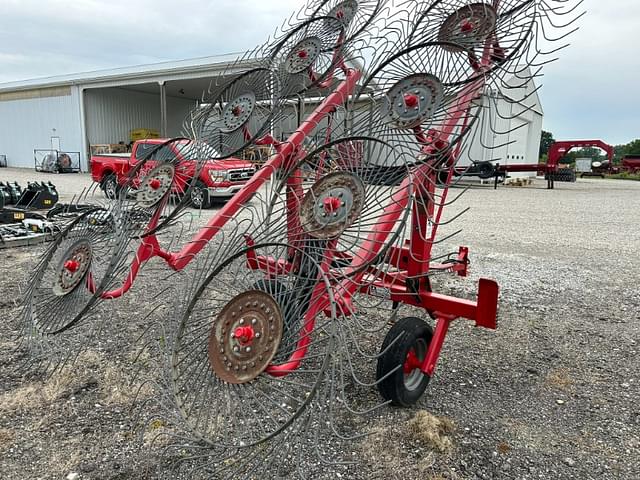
{"points": [[237, 111], [155, 184], [244, 335], [71, 266], [302, 54], [411, 100], [331, 204], [411, 362], [467, 26]]}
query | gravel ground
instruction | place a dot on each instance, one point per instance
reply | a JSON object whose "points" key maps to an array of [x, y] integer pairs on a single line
{"points": [[551, 394]]}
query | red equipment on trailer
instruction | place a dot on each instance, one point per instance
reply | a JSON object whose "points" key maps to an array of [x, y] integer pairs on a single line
{"points": [[556, 152]]}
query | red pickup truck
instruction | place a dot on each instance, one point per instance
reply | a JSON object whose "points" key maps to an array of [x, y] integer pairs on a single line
{"points": [[218, 179]]}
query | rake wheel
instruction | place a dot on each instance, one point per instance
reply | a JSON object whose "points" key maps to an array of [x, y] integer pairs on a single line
{"points": [[307, 55], [71, 276], [239, 113], [470, 27], [333, 199], [355, 15], [233, 331], [419, 91], [163, 184]]}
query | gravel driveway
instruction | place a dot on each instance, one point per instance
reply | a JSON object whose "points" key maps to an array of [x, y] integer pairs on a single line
{"points": [[552, 394]]}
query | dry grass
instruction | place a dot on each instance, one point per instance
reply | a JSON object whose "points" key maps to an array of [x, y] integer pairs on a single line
{"points": [[427, 435], [504, 448], [6, 439], [431, 431], [559, 379]]}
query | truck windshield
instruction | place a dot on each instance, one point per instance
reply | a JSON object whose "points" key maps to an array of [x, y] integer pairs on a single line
{"points": [[195, 151]]}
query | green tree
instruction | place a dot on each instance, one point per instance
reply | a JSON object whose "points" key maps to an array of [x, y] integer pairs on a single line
{"points": [[633, 148], [546, 140]]}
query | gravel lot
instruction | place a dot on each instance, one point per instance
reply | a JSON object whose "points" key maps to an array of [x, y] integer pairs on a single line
{"points": [[552, 394]]}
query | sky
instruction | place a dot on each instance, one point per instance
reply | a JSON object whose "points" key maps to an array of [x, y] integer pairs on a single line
{"points": [[592, 91]]}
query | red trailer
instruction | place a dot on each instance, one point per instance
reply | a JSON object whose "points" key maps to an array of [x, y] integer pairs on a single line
{"points": [[631, 163], [556, 152]]}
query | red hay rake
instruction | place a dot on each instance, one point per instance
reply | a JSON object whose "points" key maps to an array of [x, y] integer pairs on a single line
{"points": [[282, 288]]}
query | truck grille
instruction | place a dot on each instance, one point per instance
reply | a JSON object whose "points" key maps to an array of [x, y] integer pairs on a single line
{"points": [[241, 175]]}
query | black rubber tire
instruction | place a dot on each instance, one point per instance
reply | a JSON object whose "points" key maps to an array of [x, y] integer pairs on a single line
{"points": [[406, 334], [485, 170], [110, 186], [199, 196]]}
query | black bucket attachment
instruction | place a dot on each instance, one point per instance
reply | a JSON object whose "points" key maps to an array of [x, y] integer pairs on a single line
{"points": [[38, 196]]}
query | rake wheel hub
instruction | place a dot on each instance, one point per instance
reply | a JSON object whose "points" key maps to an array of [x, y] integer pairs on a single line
{"points": [[345, 12], [245, 337], [332, 205], [413, 100], [237, 112], [155, 185], [73, 267], [468, 26], [303, 55]]}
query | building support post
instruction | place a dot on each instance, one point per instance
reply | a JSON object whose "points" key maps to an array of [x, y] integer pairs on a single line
{"points": [[163, 109]]}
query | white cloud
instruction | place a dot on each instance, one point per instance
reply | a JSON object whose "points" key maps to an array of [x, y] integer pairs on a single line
{"points": [[589, 92]]}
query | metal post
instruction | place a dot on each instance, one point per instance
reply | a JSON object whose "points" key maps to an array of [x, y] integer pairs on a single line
{"points": [[163, 109]]}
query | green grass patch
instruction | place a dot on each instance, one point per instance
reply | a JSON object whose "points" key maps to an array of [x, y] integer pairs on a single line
{"points": [[625, 176]]}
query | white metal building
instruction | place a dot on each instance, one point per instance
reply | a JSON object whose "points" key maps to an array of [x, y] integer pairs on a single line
{"points": [[510, 125], [71, 113]]}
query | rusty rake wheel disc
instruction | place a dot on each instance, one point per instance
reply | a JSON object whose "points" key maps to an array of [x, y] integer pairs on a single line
{"points": [[413, 100], [332, 205], [307, 55], [240, 323], [73, 267], [155, 185], [245, 337], [73, 272], [468, 27]]}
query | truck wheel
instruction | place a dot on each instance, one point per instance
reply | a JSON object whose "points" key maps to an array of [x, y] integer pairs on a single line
{"points": [[110, 187], [399, 379], [199, 196]]}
